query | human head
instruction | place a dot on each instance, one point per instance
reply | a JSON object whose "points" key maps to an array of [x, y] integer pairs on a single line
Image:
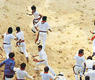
{"points": [[81, 52], [39, 47], [10, 30], [93, 67], [33, 8], [23, 66], [46, 69], [87, 78], [11, 55], [44, 18], [89, 57], [18, 29]]}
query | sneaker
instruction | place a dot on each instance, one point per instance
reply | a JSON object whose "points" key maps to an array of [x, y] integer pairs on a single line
{"points": [[33, 31]]}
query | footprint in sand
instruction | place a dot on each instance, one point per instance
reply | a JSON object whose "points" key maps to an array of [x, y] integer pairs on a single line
{"points": [[19, 18], [76, 43], [5, 8], [77, 2], [60, 51], [77, 36], [59, 62], [62, 42], [68, 76], [80, 28]]}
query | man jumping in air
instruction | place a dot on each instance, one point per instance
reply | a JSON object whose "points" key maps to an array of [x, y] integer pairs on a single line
{"points": [[37, 17]]}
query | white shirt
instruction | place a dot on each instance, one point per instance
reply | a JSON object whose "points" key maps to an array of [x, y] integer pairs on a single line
{"points": [[20, 35], [22, 74], [79, 60], [36, 15], [42, 55], [8, 38], [91, 74], [94, 42], [89, 64], [46, 76], [42, 26]]}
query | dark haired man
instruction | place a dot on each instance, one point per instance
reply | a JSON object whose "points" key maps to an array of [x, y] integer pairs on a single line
{"points": [[7, 41], [37, 17], [46, 75], [21, 42], [80, 64], [21, 73], [87, 78], [43, 59], [89, 63], [42, 28], [9, 66]]}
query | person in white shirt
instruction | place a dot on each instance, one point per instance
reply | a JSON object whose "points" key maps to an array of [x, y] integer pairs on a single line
{"points": [[21, 73], [89, 63], [42, 28], [37, 17], [43, 59], [80, 65], [91, 73], [46, 75], [7, 41], [21, 42]]}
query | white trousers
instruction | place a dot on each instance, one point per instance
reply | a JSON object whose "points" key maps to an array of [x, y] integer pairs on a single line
{"points": [[8, 78], [22, 48], [78, 72], [46, 64], [7, 49], [42, 37], [93, 48]]}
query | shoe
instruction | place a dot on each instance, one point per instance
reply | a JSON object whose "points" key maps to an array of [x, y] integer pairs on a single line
{"points": [[21, 52], [33, 31]]}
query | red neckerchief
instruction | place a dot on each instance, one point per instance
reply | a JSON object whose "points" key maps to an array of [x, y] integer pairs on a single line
{"points": [[43, 21], [22, 68], [80, 55], [46, 72], [12, 58]]}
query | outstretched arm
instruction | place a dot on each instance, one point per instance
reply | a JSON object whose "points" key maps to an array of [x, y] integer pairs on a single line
{"points": [[36, 60], [2, 63], [29, 14]]}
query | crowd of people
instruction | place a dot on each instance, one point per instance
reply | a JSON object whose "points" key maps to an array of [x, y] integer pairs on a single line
{"points": [[41, 28], [83, 66]]}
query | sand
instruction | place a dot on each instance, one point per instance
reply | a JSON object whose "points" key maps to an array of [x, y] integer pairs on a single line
{"points": [[70, 20]]}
